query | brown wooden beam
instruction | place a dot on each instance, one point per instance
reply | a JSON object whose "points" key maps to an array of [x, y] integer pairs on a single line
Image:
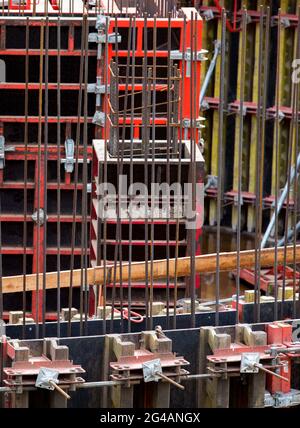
{"points": [[204, 264]]}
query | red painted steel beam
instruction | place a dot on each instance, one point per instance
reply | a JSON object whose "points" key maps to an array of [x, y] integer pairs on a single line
{"points": [[36, 119], [36, 86], [37, 52], [17, 218]]}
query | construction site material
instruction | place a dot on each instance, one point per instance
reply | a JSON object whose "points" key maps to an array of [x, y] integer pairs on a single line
{"points": [[221, 361], [25, 368], [267, 373], [203, 264]]}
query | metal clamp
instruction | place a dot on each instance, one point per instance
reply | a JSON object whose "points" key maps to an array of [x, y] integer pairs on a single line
{"points": [[96, 88], [99, 118], [208, 14], [272, 115], [39, 217], [101, 22], [188, 56], [152, 372], [237, 109], [104, 38], [249, 362], [236, 200], [187, 123], [48, 379], [69, 161], [4, 149], [284, 21], [212, 182]]}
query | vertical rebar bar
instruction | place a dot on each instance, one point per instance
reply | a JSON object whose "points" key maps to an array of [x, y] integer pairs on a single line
{"points": [[58, 172], [220, 159], [240, 154], [45, 159], [25, 206]]}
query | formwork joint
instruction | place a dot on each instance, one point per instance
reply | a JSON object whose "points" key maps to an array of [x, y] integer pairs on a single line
{"points": [[104, 38], [4, 149], [95, 88], [188, 56], [102, 22], [69, 161], [99, 118], [187, 123], [39, 217]]}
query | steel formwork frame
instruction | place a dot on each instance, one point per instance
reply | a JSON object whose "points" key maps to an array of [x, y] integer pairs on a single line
{"points": [[36, 154], [31, 152]]}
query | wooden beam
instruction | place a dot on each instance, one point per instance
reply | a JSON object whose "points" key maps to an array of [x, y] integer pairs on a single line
{"points": [[204, 264]]}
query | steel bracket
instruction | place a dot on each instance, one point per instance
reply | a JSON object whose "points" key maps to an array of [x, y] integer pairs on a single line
{"points": [[4, 149], [103, 38]]}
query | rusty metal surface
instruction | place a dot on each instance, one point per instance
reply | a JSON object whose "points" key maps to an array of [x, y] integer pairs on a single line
{"points": [[141, 356]]}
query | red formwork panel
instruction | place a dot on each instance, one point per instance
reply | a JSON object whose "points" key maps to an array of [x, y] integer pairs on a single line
{"points": [[14, 49]]}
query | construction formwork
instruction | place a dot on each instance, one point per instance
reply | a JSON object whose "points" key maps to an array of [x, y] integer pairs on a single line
{"points": [[150, 114], [252, 74], [67, 69], [46, 135], [236, 366]]}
